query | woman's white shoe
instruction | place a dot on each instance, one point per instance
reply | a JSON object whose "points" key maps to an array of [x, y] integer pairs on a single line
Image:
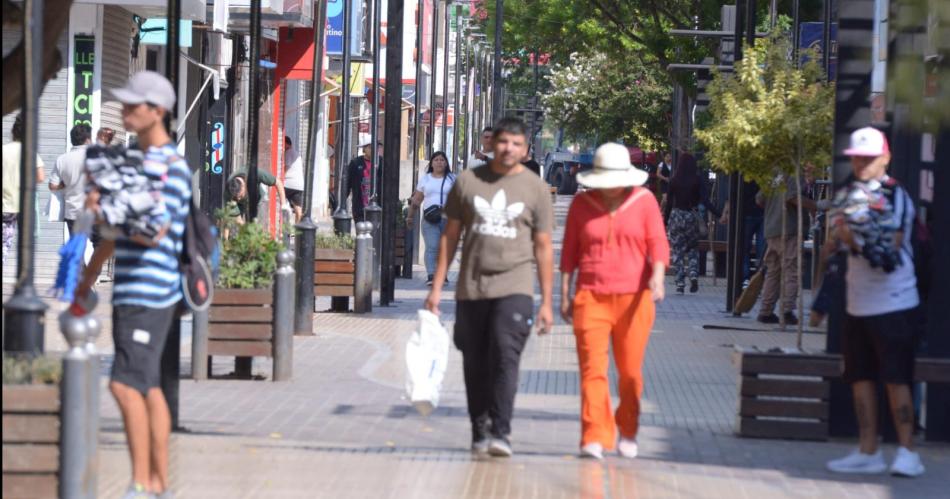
{"points": [[593, 450], [628, 448]]}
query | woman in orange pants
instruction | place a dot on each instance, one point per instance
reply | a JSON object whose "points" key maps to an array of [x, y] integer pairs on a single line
{"points": [[615, 241]]}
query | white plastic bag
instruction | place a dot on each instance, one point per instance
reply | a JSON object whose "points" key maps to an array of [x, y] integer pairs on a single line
{"points": [[427, 354]]}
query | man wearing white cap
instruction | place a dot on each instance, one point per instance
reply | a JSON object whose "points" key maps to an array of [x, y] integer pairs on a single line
{"points": [[147, 288], [872, 219]]}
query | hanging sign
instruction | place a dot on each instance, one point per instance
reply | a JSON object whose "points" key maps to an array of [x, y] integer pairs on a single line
{"points": [[335, 27], [84, 61]]}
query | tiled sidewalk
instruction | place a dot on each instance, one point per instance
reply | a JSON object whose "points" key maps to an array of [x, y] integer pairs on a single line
{"points": [[342, 428]]}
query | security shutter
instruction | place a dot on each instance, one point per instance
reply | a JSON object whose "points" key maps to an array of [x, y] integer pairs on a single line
{"points": [[116, 47]]}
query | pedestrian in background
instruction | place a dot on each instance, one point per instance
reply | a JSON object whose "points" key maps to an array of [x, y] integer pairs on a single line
{"points": [[69, 175], [147, 288], [484, 154], [237, 205], [686, 224], [873, 221], [359, 172], [105, 136], [431, 193], [503, 209], [293, 178], [616, 243], [11, 184], [781, 253]]}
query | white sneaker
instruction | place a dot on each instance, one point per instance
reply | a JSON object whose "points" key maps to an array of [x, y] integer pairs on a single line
{"points": [[593, 450], [907, 463], [858, 462], [628, 448]]}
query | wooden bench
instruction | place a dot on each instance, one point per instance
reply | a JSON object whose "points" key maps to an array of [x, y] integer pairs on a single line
{"points": [[787, 395], [712, 245], [31, 424], [241, 325]]}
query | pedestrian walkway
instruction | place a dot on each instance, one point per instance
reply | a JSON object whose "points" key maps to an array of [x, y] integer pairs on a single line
{"points": [[343, 429]]}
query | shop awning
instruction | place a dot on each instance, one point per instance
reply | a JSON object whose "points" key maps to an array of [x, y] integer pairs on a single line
{"points": [[192, 10]]}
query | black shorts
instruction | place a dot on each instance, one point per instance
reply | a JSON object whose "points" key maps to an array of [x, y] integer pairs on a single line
{"points": [[880, 347], [294, 197], [139, 334]]}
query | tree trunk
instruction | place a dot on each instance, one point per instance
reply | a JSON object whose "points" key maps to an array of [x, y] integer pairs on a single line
{"points": [[55, 18]]}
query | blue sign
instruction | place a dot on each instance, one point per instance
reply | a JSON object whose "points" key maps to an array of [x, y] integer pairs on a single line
{"points": [[335, 27], [811, 36]]}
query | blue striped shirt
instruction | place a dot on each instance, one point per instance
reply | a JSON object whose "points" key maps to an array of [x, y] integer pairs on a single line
{"points": [[150, 277]]}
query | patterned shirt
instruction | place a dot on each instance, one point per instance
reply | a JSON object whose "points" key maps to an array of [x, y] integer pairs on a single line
{"points": [[150, 277]]}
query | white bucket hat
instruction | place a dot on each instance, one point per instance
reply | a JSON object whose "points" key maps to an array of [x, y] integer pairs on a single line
{"points": [[612, 169]]}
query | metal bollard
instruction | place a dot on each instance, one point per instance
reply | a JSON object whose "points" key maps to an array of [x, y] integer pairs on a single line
{"points": [[284, 296], [374, 215], [199, 344], [74, 415], [92, 427], [363, 288]]}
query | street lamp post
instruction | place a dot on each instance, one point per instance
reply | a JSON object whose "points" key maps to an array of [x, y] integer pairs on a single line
{"points": [[434, 76], [342, 219], [458, 86], [445, 78], [253, 92], [374, 213], [497, 109], [23, 312], [306, 229], [393, 131]]}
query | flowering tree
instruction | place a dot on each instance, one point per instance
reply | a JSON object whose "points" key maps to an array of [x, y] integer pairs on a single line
{"points": [[606, 98]]}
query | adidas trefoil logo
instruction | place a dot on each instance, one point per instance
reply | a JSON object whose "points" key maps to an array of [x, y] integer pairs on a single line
{"points": [[497, 216]]}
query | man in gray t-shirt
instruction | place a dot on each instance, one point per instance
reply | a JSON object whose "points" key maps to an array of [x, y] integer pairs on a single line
{"points": [[69, 175], [506, 215]]}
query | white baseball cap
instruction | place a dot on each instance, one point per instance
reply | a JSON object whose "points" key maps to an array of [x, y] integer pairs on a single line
{"points": [[612, 169], [867, 141], [146, 87]]}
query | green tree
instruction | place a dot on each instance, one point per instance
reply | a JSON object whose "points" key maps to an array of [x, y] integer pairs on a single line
{"points": [[599, 97], [769, 119]]}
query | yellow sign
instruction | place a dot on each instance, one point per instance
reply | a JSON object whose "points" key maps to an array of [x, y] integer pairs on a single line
{"points": [[357, 83]]}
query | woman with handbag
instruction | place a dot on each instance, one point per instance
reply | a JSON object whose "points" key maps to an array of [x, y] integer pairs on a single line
{"points": [[431, 193], [686, 225]]}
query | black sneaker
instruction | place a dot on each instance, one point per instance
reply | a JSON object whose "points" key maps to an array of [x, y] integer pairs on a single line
{"points": [[680, 289], [790, 319], [768, 319], [429, 280], [693, 286]]}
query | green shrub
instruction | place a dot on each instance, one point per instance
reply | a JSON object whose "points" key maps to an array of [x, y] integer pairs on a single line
{"points": [[332, 241], [248, 258], [25, 371]]}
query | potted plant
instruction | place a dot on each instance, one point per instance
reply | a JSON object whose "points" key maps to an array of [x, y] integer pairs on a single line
{"points": [[31, 422], [240, 319], [768, 120]]}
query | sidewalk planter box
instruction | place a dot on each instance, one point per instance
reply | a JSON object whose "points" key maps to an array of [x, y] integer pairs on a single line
{"points": [[334, 272], [241, 324], [31, 426], [784, 395], [400, 259]]}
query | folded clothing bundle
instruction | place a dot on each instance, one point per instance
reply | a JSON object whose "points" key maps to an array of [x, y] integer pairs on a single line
{"points": [[130, 191], [868, 210]]}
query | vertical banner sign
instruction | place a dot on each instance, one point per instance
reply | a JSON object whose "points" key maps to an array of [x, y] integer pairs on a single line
{"points": [[335, 27], [218, 156], [811, 38], [84, 57]]}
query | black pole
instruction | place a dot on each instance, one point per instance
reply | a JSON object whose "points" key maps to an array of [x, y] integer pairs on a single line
{"points": [[171, 354], [393, 130], [23, 313], [306, 229], [795, 33], [434, 74], [445, 79], [736, 217], [826, 39], [497, 104], [374, 211], [253, 92], [463, 156], [456, 109], [342, 219], [417, 97]]}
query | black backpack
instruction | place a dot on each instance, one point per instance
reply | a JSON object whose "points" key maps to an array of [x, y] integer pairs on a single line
{"points": [[199, 259]]}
